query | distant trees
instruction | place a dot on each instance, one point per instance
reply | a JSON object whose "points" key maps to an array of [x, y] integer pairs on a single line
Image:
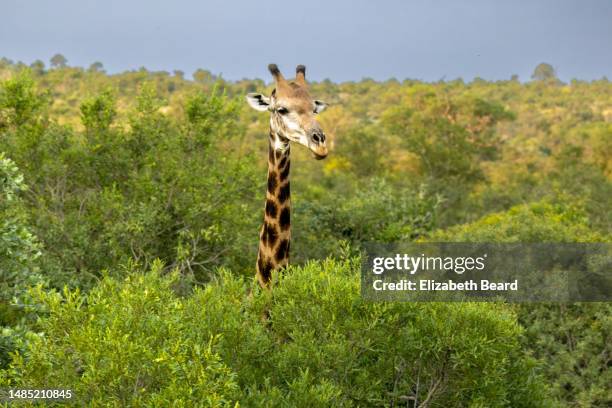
{"points": [[179, 74], [203, 76], [38, 67], [544, 72], [451, 137], [58, 61], [96, 67]]}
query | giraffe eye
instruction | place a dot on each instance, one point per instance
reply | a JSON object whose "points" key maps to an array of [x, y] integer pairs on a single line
{"points": [[283, 111]]}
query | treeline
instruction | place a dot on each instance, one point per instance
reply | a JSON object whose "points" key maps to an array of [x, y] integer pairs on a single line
{"points": [[120, 187]]}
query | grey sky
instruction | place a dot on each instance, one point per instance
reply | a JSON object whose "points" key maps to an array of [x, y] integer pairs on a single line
{"points": [[336, 39]]}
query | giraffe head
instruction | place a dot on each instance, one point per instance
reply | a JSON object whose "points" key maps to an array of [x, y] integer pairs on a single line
{"points": [[292, 111]]}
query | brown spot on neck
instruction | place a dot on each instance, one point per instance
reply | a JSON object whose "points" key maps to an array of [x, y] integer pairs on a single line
{"points": [[272, 182], [284, 218], [271, 208], [284, 193], [284, 173], [282, 252]]}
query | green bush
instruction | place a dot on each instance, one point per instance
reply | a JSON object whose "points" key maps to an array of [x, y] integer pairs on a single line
{"points": [[371, 210], [571, 341], [135, 342], [158, 188], [127, 343], [19, 254], [19, 248], [19, 101], [535, 222]]}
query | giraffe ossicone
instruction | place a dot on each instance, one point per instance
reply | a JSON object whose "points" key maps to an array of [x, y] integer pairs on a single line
{"points": [[292, 119]]}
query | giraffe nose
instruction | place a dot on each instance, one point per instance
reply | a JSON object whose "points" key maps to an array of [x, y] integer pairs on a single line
{"points": [[318, 137]]}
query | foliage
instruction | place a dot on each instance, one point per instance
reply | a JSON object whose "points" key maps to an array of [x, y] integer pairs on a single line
{"points": [[127, 169], [141, 353], [103, 197], [572, 341], [134, 342], [58, 61], [19, 252], [375, 211], [19, 102], [19, 248], [451, 138], [544, 72], [98, 113], [535, 222]]}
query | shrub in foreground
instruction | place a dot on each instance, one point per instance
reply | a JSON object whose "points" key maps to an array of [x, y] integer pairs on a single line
{"points": [[135, 342], [572, 341], [19, 255]]}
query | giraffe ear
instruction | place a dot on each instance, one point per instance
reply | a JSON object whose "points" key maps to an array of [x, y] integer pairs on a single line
{"points": [[319, 106], [258, 101]]}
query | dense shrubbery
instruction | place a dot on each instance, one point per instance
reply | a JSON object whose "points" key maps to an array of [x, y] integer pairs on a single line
{"points": [[150, 172], [373, 210], [19, 256], [19, 249], [135, 342], [572, 341], [536, 222], [159, 189]]}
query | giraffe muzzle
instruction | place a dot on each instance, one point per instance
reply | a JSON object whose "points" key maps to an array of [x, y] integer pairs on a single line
{"points": [[317, 145], [319, 156]]}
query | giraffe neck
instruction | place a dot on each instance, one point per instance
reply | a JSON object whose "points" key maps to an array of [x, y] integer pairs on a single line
{"points": [[275, 235]]}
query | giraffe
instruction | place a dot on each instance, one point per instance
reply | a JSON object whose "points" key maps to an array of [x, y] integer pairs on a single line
{"points": [[292, 119]]}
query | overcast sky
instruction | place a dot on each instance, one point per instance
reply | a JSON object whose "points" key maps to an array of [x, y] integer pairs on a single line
{"points": [[337, 39]]}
